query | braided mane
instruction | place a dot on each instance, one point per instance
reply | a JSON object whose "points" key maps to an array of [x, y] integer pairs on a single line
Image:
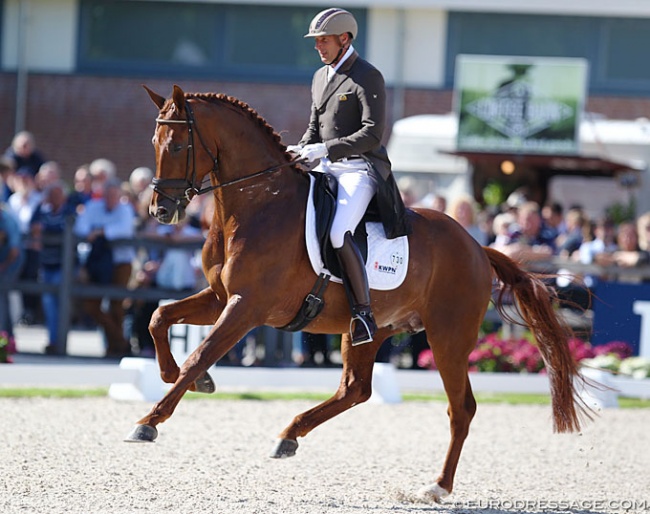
{"points": [[252, 114], [242, 106]]}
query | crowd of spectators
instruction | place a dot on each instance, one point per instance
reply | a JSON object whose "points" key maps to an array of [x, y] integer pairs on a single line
{"points": [[36, 203], [36, 206]]}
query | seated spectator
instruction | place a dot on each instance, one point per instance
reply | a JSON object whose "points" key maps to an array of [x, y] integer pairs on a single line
{"points": [[102, 221], [529, 242], [24, 154]]}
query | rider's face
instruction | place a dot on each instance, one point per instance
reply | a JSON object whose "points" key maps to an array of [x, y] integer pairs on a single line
{"points": [[327, 47]]}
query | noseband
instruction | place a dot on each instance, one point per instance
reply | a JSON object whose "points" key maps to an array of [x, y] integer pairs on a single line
{"points": [[189, 185]]}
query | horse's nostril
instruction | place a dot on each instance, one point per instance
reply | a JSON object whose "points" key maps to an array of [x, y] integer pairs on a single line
{"points": [[161, 212]]}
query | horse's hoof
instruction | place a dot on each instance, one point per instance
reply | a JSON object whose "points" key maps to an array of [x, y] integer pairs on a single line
{"points": [[432, 493], [142, 434], [284, 448], [205, 384]]}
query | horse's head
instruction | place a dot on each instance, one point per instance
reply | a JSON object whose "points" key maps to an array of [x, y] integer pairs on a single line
{"points": [[180, 164]]}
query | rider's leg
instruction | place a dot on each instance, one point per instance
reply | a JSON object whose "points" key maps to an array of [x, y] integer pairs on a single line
{"points": [[355, 192], [362, 326]]}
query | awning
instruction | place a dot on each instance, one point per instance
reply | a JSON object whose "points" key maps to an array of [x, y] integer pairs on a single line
{"points": [[556, 164]]}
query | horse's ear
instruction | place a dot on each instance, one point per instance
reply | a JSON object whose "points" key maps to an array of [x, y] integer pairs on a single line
{"points": [[155, 97], [179, 98]]}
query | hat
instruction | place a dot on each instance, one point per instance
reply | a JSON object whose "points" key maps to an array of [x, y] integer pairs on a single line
{"points": [[332, 22]]}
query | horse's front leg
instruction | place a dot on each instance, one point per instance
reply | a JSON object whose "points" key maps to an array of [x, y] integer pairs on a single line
{"points": [[202, 308], [355, 387], [232, 325]]}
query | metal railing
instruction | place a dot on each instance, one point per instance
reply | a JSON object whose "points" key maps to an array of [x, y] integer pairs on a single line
{"points": [[70, 287]]}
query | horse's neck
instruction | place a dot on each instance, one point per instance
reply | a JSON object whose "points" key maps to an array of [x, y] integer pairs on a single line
{"points": [[267, 198]]}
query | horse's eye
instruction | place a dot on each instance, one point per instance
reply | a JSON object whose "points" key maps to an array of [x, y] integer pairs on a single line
{"points": [[177, 148]]}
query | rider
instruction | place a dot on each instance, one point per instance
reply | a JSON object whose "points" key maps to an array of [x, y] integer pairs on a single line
{"points": [[348, 117]]}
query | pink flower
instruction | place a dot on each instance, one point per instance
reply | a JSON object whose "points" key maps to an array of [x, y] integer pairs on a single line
{"points": [[426, 360], [620, 349]]}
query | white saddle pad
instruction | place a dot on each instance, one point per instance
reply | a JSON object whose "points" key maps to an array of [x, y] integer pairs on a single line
{"points": [[387, 258]]}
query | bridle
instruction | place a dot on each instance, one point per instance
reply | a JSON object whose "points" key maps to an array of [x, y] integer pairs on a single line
{"points": [[189, 185]]}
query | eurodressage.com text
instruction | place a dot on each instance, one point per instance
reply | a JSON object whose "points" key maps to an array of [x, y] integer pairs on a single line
{"points": [[592, 505]]}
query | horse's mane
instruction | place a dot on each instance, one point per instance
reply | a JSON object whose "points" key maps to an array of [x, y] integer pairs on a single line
{"points": [[242, 106], [249, 112]]}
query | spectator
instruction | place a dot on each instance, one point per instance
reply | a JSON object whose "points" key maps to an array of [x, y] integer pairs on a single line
{"points": [[101, 170], [643, 231], [408, 191], [140, 180], [529, 242], [629, 254], [7, 170], [47, 227], [433, 201], [48, 173], [176, 268], [24, 154], [553, 216], [463, 210], [22, 203], [604, 243], [82, 187], [102, 221], [570, 240], [11, 261], [502, 228]]}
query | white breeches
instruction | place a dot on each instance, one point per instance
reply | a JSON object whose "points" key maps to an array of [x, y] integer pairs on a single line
{"points": [[355, 191]]}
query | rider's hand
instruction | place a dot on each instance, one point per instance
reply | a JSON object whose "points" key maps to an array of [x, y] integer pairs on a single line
{"points": [[313, 152], [294, 149]]}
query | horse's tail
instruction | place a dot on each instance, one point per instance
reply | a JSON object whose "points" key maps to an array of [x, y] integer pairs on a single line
{"points": [[535, 306]]}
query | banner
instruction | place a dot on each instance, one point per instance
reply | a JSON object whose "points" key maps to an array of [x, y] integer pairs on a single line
{"points": [[519, 104]]}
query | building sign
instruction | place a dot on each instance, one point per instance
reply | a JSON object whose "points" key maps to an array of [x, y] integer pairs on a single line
{"points": [[519, 104]]}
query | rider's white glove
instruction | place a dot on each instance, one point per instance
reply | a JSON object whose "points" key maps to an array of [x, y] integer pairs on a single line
{"points": [[294, 149], [313, 152]]}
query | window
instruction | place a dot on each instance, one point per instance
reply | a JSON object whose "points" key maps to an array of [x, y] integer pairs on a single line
{"points": [[246, 42], [614, 47]]}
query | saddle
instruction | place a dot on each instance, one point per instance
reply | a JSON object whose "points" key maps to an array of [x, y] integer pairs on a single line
{"points": [[324, 201]]}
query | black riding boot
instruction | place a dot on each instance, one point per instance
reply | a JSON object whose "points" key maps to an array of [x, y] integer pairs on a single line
{"points": [[362, 326]]}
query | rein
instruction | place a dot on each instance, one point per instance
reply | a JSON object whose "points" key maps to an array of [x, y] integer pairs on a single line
{"points": [[189, 184]]}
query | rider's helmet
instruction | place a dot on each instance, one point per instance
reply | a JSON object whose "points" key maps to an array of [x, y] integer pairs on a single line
{"points": [[333, 22]]}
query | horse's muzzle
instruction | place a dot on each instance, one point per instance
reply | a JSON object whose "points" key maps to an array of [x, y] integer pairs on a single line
{"points": [[167, 216]]}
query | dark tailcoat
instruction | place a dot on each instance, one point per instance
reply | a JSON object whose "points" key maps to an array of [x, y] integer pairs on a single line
{"points": [[348, 114]]}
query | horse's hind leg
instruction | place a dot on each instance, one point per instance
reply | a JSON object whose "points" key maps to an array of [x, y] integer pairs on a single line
{"points": [[203, 308], [355, 387], [461, 410]]}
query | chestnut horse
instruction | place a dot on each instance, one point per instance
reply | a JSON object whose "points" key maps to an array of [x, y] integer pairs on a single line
{"points": [[258, 270]]}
